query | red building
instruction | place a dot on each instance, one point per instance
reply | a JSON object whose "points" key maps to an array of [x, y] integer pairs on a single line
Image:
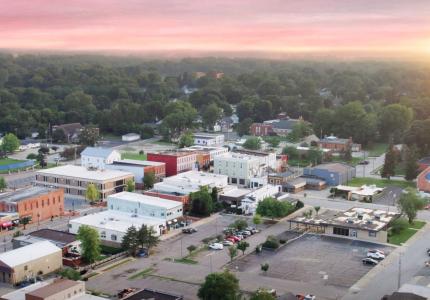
{"points": [[176, 161], [261, 129], [423, 163], [423, 181]]}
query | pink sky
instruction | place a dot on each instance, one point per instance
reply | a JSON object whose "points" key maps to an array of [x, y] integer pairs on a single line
{"points": [[380, 26]]}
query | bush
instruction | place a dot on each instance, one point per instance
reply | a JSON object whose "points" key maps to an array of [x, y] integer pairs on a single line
{"points": [[299, 204], [282, 241], [70, 273], [271, 242]]}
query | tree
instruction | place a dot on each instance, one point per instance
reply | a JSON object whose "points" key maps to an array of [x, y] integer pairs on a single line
{"points": [[388, 169], [92, 194], [262, 295], [411, 165], [58, 136], [70, 273], [89, 135], [242, 246], [240, 224], [244, 126], [273, 141], [130, 186], [300, 130], [265, 267], [252, 143], [41, 159], [315, 156], [214, 194], [292, 152], [257, 220], [201, 202], [410, 203], [272, 208], [394, 120], [146, 237], [186, 139], [130, 241], [211, 114], [232, 252], [191, 248], [317, 209], [90, 243], [219, 286], [149, 180], [24, 221], [3, 184], [10, 143]]}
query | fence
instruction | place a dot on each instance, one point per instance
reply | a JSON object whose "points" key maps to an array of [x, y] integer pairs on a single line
{"points": [[19, 165], [104, 261]]}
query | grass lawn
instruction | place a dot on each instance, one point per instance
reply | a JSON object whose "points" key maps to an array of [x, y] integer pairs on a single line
{"points": [[376, 149], [403, 236], [354, 161], [417, 224], [299, 162], [359, 181], [133, 155], [7, 161], [187, 261]]}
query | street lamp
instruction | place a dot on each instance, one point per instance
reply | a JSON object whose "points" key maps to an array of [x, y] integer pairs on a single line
{"points": [[38, 220]]}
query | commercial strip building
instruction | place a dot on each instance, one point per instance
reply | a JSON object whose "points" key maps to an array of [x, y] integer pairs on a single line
{"points": [[364, 193], [56, 289], [332, 173], [37, 203], [75, 179], [248, 205], [208, 139], [30, 261], [357, 223], [176, 161]]}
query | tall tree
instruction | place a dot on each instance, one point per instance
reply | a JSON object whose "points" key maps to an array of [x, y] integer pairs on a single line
{"points": [[219, 286], [92, 194], [242, 246], [211, 114], [411, 165], [410, 203], [90, 243], [148, 180], [130, 241], [186, 139], [252, 143], [394, 120], [3, 184], [389, 167], [232, 252], [89, 135], [201, 202], [10, 143]]}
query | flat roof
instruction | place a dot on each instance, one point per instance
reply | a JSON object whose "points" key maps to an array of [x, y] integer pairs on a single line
{"points": [[197, 177], [54, 288], [236, 156], [204, 148], [20, 294], [117, 220], [145, 199], [54, 235], [134, 162], [84, 173], [97, 152], [25, 193], [28, 253], [333, 167], [207, 135], [235, 192], [177, 153]]}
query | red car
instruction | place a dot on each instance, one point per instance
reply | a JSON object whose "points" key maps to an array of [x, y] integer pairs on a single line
{"points": [[234, 238]]}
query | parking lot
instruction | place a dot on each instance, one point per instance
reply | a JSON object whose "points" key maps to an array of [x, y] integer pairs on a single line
{"points": [[314, 259]]}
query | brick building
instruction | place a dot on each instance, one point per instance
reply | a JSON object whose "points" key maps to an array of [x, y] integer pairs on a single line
{"points": [[38, 203], [423, 181], [423, 163], [337, 144], [176, 161]]}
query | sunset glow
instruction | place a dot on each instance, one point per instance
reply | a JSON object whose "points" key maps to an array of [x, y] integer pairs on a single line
{"points": [[388, 26]]}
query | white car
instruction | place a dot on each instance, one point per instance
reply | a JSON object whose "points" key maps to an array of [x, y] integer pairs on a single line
{"points": [[216, 246], [376, 255], [376, 251], [227, 243]]}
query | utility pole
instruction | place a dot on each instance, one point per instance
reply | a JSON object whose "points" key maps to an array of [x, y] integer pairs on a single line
{"points": [[181, 245], [399, 278]]}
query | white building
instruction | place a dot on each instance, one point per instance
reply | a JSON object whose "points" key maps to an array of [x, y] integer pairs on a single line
{"points": [[98, 158], [112, 225], [137, 171], [241, 168], [130, 137], [213, 151], [208, 139], [250, 202], [146, 206]]}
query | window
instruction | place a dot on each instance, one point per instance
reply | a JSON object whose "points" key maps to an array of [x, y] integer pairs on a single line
{"points": [[241, 181], [372, 233], [103, 234], [113, 237], [234, 180], [341, 231], [25, 268]]}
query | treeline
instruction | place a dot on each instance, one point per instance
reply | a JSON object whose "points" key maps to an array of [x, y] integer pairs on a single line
{"points": [[369, 101]]}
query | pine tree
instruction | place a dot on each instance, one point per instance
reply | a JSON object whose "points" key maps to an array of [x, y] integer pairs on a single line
{"points": [[388, 169], [411, 166]]}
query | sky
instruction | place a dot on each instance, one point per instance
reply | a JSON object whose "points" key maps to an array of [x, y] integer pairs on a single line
{"points": [[377, 27]]}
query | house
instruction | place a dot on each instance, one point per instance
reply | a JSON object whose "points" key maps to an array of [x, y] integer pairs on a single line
{"points": [[337, 144], [29, 261], [150, 294], [423, 163], [37, 203], [261, 129], [356, 223], [176, 161], [332, 173], [423, 181], [288, 180], [74, 180], [208, 139], [55, 289], [71, 131], [130, 137], [98, 157]]}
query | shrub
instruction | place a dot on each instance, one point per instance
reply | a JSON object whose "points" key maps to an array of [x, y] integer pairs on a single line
{"points": [[282, 241], [271, 242], [299, 204]]}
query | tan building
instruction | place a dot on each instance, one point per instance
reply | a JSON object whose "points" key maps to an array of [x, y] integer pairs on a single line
{"points": [[357, 223], [30, 261], [75, 179]]}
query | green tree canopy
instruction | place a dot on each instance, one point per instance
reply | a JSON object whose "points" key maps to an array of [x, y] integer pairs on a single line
{"points": [[186, 139], [3, 184], [201, 202], [219, 286], [272, 208], [10, 143], [149, 180], [410, 203], [252, 143], [130, 241], [90, 243], [92, 194], [211, 114]]}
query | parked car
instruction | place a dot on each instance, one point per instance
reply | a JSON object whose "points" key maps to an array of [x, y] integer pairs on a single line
{"points": [[234, 238], [239, 236], [427, 206], [376, 255], [305, 297], [246, 233], [189, 230], [369, 261], [364, 162], [227, 243], [142, 253], [253, 230], [216, 246], [231, 239], [376, 251], [428, 251]]}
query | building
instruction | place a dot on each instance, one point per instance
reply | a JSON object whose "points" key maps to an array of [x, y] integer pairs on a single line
{"points": [[71, 131], [98, 158], [337, 144], [208, 139], [144, 205], [332, 173], [179, 187], [112, 225], [282, 126], [176, 161], [249, 203], [212, 152], [365, 193], [314, 183], [239, 168], [423, 163], [37, 203], [423, 181], [150, 294], [268, 159], [356, 223], [75, 179], [130, 137], [289, 181], [261, 129], [30, 261], [56, 289]]}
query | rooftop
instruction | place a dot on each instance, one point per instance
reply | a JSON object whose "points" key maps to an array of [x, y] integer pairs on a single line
{"points": [[234, 156], [23, 194], [84, 173], [117, 220], [334, 167], [54, 288], [97, 152], [356, 217], [28, 253], [197, 178], [203, 148], [252, 152], [145, 199], [334, 140], [207, 135], [285, 124], [131, 134], [54, 235], [177, 153], [134, 162], [153, 295]]}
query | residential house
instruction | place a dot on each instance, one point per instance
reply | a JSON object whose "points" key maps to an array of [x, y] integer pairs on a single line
{"points": [[332, 173], [281, 127], [98, 158], [71, 131]]}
